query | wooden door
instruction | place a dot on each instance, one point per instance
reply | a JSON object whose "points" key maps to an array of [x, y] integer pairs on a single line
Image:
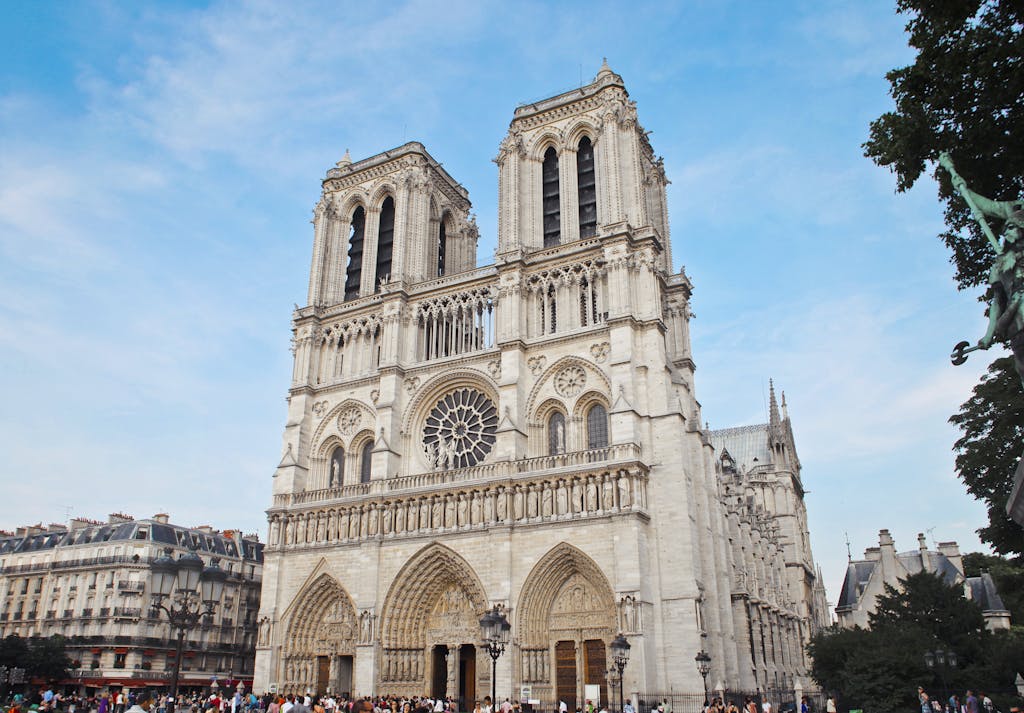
{"points": [[467, 675], [565, 673], [597, 667], [323, 674]]}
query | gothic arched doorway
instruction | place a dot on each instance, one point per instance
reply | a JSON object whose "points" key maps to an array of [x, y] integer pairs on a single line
{"points": [[566, 617], [319, 649], [430, 626]]}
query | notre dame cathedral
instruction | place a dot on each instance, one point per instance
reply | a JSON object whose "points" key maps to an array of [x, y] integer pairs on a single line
{"points": [[523, 435]]}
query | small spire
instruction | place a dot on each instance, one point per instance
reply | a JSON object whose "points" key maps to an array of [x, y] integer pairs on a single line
{"points": [[605, 69], [346, 160], [785, 411], [774, 420]]}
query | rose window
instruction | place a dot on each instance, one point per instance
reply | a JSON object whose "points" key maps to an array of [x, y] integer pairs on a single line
{"points": [[570, 380], [459, 431]]}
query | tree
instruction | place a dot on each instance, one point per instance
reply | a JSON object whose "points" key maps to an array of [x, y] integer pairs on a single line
{"points": [[963, 94], [47, 658], [41, 657], [879, 669], [992, 423]]}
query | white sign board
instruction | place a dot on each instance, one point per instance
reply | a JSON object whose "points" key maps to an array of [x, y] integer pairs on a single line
{"points": [[592, 693]]}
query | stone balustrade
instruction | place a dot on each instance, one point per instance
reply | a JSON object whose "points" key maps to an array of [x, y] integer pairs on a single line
{"points": [[610, 455], [508, 500]]}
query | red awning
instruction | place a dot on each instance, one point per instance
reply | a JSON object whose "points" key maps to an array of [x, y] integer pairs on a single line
{"points": [[148, 652], [97, 651], [120, 651]]}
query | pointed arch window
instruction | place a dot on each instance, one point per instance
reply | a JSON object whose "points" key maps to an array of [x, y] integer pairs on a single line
{"points": [[587, 183], [354, 270], [597, 427], [552, 211], [385, 241], [365, 461], [442, 248], [556, 434], [336, 472]]}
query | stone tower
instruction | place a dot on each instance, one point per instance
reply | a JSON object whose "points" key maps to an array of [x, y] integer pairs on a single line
{"points": [[522, 435]]}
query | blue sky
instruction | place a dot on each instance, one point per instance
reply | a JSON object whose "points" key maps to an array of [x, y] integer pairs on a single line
{"points": [[159, 164]]}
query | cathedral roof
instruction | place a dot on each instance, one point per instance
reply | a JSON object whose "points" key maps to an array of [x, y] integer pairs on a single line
{"points": [[748, 445]]}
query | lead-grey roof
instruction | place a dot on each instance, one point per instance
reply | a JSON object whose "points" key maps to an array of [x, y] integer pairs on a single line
{"points": [[747, 445], [859, 572], [984, 594], [151, 530]]}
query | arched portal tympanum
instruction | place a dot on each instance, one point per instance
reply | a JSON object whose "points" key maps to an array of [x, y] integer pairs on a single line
{"points": [[320, 646], [566, 619], [430, 627]]}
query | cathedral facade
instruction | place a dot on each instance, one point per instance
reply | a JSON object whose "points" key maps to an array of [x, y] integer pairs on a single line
{"points": [[523, 435]]}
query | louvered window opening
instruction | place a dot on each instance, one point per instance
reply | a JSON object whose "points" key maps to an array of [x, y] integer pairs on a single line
{"points": [[552, 214], [586, 180], [354, 270], [442, 247], [385, 240]]}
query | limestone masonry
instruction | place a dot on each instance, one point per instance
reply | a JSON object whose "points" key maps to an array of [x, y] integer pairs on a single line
{"points": [[525, 435]]}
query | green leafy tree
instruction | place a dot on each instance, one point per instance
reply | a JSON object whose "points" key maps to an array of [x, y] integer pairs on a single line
{"points": [[963, 95], [41, 657], [879, 669], [47, 658], [13, 651], [992, 423]]}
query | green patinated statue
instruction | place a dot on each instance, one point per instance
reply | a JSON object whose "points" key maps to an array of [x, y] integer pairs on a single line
{"points": [[1006, 276]]}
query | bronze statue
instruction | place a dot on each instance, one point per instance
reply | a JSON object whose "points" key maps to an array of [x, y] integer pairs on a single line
{"points": [[1006, 276]]}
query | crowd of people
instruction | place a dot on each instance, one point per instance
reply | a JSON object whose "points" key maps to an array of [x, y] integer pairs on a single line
{"points": [[970, 702], [146, 701]]}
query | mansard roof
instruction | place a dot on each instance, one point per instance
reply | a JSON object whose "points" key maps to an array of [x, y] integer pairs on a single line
{"points": [[983, 592], [216, 543], [858, 573]]}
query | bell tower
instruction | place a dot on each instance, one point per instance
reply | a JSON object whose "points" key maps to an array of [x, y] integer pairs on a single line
{"points": [[396, 217], [578, 166]]}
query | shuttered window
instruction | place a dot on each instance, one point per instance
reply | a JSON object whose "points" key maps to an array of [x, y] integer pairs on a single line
{"points": [[385, 240], [587, 183], [354, 270], [552, 214]]}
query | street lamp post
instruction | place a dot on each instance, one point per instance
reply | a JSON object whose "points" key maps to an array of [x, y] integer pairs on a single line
{"points": [[191, 592], [938, 660], [703, 668], [494, 630], [620, 657]]}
